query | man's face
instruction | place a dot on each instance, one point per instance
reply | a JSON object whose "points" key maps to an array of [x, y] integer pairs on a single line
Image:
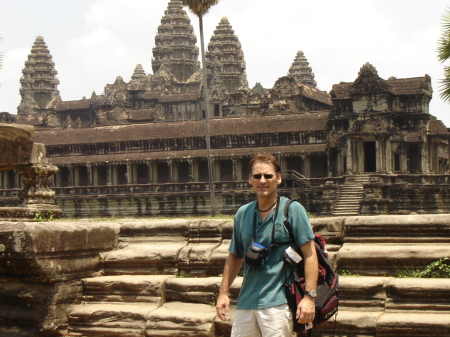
{"points": [[262, 184]]}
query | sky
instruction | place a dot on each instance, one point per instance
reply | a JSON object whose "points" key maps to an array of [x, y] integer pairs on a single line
{"points": [[94, 41]]}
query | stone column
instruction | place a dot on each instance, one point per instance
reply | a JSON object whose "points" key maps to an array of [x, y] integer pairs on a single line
{"points": [[191, 170], [89, 174], [307, 167], [71, 182], [234, 165], [109, 175], [149, 171], [389, 166], [378, 155], [171, 175], [129, 174], [359, 154], [349, 168]]}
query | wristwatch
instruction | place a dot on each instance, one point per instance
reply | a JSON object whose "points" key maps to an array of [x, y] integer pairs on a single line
{"points": [[311, 293]]}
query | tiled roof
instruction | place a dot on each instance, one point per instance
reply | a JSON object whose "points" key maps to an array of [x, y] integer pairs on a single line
{"points": [[74, 105], [315, 94], [399, 86], [189, 96], [435, 126], [224, 126], [185, 154]]}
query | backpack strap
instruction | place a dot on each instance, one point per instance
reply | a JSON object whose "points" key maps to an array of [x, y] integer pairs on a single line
{"points": [[286, 222]]}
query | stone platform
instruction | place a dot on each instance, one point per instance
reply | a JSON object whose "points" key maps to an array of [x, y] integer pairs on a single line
{"points": [[161, 277]]}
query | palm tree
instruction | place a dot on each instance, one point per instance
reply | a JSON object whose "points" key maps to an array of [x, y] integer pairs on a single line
{"points": [[443, 51], [200, 8]]}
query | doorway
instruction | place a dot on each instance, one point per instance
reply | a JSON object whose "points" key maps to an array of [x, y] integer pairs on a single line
{"points": [[370, 159]]}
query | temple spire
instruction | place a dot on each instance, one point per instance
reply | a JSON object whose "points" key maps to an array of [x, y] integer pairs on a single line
{"points": [[225, 57], [39, 82], [301, 70], [175, 41]]}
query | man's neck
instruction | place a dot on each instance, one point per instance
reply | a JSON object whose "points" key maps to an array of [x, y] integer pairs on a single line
{"points": [[266, 202]]}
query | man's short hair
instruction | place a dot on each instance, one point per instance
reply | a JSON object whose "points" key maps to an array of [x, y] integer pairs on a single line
{"points": [[265, 157]]}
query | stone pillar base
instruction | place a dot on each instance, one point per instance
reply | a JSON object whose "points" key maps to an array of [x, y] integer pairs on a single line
{"points": [[31, 213]]}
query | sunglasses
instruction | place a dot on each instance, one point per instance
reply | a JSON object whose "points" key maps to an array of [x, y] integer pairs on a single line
{"points": [[266, 176]]}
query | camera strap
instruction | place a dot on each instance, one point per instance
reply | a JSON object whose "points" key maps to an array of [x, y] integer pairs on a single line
{"points": [[273, 227]]}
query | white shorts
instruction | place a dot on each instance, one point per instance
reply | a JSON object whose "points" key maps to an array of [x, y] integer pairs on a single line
{"points": [[268, 322]]}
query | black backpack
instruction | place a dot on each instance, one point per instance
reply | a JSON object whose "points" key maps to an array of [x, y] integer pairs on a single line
{"points": [[327, 300]]}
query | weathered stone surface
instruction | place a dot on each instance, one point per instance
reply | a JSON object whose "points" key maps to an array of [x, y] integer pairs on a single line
{"points": [[125, 288], [417, 295], [398, 228], [413, 324], [16, 144], [165, 305], [388, 258], [110, 319], [181, 319]]}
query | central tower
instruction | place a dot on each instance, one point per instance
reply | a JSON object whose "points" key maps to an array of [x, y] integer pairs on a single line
{"points": [[175, 41]]}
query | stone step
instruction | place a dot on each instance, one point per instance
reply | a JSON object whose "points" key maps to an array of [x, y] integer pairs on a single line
{"points": [[376, 324], [125, 288], [383, 228], [388, 258], [109, 319]]}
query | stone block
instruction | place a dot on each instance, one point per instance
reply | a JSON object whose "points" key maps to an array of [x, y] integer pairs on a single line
{"points": [[193, 290], [51, 251], [181, 319], [110, 319], [398, 228], [415, 294], [413, 324], [377, 259], [125, 288], [16, 144]]}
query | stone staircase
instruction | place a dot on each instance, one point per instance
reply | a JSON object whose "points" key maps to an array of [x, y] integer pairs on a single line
{"points": [[351, 193], [164, 278]]}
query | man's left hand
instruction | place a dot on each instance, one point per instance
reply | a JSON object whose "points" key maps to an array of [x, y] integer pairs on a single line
{"points": [[306, 310]]}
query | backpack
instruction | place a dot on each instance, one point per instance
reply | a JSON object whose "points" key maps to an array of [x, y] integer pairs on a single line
{"points": [[327, 300]]}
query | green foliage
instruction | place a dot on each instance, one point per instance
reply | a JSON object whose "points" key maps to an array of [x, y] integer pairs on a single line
{"points": [[344, 272], [443, 52], [44, 216], [199, 7], [437, 269]]}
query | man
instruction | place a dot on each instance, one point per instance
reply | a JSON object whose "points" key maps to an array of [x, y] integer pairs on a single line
{"points": [[262, 308]]}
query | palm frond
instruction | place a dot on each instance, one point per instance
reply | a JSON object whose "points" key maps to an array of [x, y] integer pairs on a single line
{"points": [[444, 88], [199, 7], [443, 49]]}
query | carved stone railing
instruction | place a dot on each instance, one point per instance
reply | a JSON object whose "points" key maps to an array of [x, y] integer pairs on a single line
{"points": [[18, 152]]}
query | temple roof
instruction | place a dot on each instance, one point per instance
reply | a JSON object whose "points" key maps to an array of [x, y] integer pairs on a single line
{"points": [[226, 126], [398, 86], [74, 105], [164, 155]]}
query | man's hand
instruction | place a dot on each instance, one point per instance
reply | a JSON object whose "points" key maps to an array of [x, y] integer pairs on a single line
{"points": [[306, 310], [223, 307]]}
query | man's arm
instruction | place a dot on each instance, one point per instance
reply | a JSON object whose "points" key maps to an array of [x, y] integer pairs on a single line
{"points": [[230, 271], [306, 308]]}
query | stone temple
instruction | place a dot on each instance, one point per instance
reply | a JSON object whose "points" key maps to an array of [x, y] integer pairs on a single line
{"points": [[369, 146]]}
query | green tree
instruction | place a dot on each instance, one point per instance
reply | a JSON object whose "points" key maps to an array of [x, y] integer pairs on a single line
{"points": [[200, 8], [443, 51]]}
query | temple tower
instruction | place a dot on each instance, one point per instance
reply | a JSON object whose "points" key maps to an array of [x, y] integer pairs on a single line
{"points": [[175, 44], [225, 57], [301, 70], [39, 82]]}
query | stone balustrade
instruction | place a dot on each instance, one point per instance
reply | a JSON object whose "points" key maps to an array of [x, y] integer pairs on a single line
{"points": [[161, 277]]}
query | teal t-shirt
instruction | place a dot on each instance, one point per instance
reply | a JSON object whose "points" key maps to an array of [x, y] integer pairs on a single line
{"points": [[263, 286]]}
